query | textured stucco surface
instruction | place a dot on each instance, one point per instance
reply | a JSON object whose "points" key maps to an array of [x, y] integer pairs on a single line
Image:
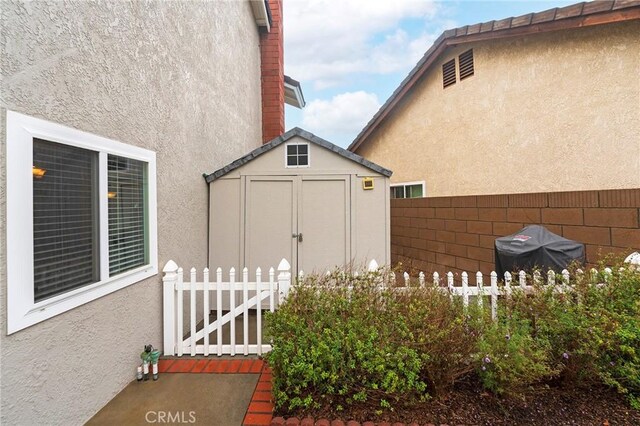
{"points": [[180, 78], [551, 112]]}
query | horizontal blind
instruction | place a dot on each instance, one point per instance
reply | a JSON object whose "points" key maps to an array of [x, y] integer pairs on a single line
{"points": [[65, 218], [127, 225]]}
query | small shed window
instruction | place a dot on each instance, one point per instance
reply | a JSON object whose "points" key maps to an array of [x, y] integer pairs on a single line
{"points": [[297, 155]]}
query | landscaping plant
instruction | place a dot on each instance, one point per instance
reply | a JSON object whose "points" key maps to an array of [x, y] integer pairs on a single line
{"points": [[346, 341]]}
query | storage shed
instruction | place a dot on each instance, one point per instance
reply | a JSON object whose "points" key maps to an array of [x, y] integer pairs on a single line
{"points": [[302, 198]]}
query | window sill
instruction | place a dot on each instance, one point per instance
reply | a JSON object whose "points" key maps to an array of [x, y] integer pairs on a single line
{"points": [[49, 308]]}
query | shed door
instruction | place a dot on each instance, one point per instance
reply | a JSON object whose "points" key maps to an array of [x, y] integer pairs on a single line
{"points": [[271, 216], [324, 221], [279, 208]]}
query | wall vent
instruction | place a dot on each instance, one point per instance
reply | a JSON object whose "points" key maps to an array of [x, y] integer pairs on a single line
{"points": [[449, 73], [465, 64]]}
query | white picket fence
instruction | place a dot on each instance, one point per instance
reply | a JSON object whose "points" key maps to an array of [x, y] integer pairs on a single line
{"points": [[526, 283], [176, 289], [276, 289]]}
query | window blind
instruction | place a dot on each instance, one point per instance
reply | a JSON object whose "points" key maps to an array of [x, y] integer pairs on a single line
{"points": [[127, 224], [65, 218]]}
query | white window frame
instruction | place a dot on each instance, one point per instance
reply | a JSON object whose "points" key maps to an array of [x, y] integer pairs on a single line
{"points": [[308, 155], [22, 311], [417, 182]]}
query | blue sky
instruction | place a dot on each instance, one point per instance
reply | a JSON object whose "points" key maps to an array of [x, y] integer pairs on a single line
{"points": [[350, 55]]}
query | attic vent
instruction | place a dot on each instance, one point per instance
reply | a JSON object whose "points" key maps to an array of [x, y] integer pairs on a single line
{"points": [[449, 73], [465, 62]]}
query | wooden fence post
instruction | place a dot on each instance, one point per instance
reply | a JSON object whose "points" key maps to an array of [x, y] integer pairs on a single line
{"points": [[169, 281]]}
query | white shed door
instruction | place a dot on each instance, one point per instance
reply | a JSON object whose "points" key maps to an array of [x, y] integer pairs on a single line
{"points": [[271, 212], [324, 221], [279, 208]]}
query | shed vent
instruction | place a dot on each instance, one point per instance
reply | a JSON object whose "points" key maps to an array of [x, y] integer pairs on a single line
{"points": [[449, 73], [465, 62]]}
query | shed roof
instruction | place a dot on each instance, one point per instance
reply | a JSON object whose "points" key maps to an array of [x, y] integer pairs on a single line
{"points": [[560, 18], [310, 137]]}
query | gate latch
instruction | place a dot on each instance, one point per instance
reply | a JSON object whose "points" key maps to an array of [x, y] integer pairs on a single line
{"points": [[298, 236]]}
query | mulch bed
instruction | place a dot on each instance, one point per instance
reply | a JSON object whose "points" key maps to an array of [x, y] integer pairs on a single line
{"points": [[467, 404]]}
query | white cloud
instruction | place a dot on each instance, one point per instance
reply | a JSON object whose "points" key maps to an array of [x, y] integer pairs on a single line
{"points": [[327, 40], [344, 114]]}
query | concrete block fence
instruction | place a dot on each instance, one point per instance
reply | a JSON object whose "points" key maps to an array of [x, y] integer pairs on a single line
{"points": [[458, 233]]}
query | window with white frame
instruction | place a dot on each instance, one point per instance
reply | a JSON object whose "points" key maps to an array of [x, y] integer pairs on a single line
{"points": [[408, 190], [297, 155], [81, 218]]}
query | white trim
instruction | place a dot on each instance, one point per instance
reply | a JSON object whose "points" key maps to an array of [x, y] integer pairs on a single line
{"points": [[417, 182], [293, 96], [308, 155], [22, 312], [260, 14]]}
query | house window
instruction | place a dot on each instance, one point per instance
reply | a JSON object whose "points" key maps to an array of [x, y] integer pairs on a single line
{"points": [[408, 190], [297, 155], [81, 218]]}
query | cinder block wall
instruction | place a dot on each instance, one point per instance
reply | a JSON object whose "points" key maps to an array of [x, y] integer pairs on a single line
{"points": [[458, 233]]}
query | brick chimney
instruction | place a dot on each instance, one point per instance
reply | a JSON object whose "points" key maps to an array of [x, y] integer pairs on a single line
{"points": [[272, 73]]}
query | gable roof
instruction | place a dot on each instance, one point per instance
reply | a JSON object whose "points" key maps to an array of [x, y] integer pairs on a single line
{"points": [[573, 16], [310, 137]]}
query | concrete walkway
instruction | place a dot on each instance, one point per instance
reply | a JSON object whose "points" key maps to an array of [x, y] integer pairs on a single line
{"points": [[181, 398]]}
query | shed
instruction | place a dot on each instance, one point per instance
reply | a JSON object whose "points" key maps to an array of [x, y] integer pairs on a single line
{"points": [[302, 198]]}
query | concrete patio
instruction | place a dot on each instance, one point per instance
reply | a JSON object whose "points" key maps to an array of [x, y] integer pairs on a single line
{"points": [[221, 392]]}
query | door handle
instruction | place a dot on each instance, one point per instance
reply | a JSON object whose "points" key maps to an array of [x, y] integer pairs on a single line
{"points": [[298, 236]]}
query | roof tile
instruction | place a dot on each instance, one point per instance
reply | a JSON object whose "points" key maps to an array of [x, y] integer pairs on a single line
{"points": [[521, 20], [597, 6], [502, 24], [462, 30], [621, 4], [487, 26], [569, 11], [546, 16], [474, 29]]}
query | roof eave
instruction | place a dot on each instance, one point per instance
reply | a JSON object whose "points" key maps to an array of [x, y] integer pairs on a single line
{"points": [[452, 38], [296, 131]]}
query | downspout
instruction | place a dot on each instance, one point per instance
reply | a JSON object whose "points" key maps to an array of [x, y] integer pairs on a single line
{"points": [[204, 175]]}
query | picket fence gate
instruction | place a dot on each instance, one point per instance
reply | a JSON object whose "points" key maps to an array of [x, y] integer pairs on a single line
{"points": [[175, 290]]}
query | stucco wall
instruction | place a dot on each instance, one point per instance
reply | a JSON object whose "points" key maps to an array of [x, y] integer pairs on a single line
{"points": [[551, 112], [160, 75]]}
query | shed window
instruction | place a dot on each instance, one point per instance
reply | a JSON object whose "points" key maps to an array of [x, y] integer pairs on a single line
{"points": [[297, 155]]}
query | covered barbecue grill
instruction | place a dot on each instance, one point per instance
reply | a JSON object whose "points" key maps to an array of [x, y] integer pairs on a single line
{"points": [[536, 246]]}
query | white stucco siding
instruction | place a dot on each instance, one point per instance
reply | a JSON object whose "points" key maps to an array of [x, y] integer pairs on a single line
{"points": [[158, 75]]}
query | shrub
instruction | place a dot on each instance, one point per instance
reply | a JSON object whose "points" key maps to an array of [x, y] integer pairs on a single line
{"points": [[510, 359], [335, 347], [340, 341]]}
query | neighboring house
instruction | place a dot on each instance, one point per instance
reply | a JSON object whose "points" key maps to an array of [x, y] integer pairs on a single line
{"points": [[302, 198], [547, 101], [110, 114]]}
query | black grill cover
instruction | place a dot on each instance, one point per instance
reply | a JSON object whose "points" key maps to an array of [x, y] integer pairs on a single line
{"points": [[535, 246]]}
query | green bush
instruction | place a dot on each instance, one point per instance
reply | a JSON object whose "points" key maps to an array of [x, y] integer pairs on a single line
{"points": [[339, 341], [593, 332], [510, 359], [333, 347]]}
